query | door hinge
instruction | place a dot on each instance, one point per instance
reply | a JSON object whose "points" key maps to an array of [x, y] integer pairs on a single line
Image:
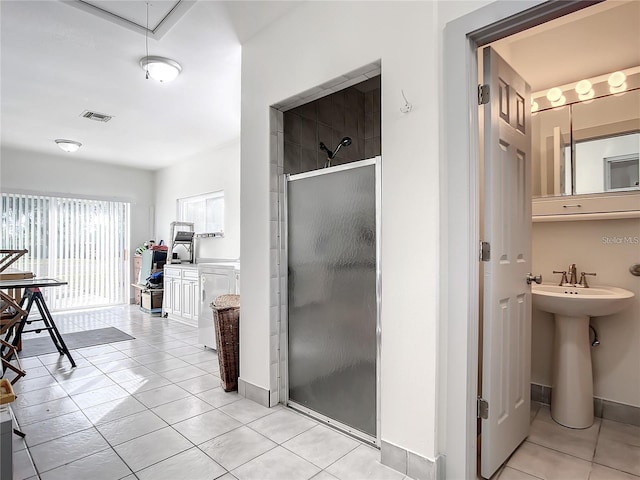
{"points": [[485, 251], [483, 94], [483, 408]]}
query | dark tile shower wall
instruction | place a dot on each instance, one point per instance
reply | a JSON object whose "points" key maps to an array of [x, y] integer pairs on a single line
{"points": [[348, 113]]}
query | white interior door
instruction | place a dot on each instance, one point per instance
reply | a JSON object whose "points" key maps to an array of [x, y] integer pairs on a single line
{"points": [[506, 350]]}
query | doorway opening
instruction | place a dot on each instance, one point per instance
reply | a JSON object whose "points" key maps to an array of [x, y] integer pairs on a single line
{"points": [[563, 128], [461, 174]]}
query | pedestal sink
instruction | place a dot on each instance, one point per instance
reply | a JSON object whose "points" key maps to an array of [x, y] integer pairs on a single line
{"points": [[572, 395]]}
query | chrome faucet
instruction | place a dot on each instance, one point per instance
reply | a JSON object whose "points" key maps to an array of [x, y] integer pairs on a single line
{"points": [[572, 274]]}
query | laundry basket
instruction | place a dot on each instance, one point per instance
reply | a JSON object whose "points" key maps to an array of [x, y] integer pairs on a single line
{"points": [[226, 320]]}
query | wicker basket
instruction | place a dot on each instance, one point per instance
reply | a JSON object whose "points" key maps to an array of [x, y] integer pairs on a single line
{"points": [[226, 320]]}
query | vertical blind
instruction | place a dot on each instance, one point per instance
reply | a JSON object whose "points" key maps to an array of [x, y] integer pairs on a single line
{"points": [[82, 242]]}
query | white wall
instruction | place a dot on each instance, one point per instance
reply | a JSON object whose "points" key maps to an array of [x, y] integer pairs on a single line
{"points": [[608, 248], [332, 38], [69, 174], [206, 172]]}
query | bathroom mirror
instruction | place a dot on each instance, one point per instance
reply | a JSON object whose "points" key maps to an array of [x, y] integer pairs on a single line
{"points": [[587, 147]]}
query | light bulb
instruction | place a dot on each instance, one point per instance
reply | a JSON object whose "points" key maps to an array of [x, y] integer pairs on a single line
{"points": [[616, 79], [534, 106], [554, 94], [583, 87]]}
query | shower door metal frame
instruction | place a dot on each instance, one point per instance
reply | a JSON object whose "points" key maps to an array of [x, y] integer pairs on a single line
{"points": [[284, 326]]}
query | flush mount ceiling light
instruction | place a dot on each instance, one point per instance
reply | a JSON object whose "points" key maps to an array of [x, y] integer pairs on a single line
{"points": [[160, 68], [68, 145]]}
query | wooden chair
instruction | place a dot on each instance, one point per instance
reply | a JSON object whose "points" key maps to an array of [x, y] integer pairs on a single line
{"points": [[7, 365], [10, 315]]}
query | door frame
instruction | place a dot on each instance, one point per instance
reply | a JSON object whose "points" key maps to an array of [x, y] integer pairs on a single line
{"points": [[460, 200], [284, 325]]}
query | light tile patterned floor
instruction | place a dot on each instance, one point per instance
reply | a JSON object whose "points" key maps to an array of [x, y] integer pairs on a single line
{"points": [[152, 408], [605, 451]]}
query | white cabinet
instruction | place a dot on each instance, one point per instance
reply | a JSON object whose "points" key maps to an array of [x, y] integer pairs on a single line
{"points": [[215, 279], [586, 207], [181, 300]]}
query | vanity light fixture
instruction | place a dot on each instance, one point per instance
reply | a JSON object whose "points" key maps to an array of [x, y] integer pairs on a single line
{"points": [[69, 146], [617, 83]]}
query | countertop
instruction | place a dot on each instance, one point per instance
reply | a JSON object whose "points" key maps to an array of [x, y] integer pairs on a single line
{"points": [[205, 262]]}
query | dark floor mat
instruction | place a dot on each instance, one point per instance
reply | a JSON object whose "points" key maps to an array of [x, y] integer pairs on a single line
{"points": [[88, 338]]}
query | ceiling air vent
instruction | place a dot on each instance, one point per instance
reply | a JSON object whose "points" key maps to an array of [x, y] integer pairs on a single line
{"points": [[98, 117]]}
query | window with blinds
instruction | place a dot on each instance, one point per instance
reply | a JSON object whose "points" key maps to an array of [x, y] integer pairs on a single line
{"points": [[83, 242]]}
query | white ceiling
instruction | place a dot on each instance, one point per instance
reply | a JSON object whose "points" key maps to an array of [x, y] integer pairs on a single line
{"points": [[59, 58], [594, 41]]}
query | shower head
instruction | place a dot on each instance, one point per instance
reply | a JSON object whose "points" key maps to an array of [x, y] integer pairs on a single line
{"points": [[345, 142]]}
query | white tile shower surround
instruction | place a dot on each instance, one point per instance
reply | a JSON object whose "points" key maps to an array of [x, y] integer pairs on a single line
{"points": [[152, 408]]}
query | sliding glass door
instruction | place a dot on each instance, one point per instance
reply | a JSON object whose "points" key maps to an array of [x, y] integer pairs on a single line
{"points": [[83, 242]]}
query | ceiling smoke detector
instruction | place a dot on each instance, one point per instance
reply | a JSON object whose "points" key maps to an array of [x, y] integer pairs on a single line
{"points": [[98, 117]]}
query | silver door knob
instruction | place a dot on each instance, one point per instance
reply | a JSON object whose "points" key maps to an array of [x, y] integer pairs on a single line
{"points": [[533, 278]]}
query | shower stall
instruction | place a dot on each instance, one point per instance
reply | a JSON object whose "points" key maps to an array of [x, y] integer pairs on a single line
{"points": [[333, 324]]}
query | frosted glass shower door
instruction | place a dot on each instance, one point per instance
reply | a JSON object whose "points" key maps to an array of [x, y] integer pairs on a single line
{"points": [[333, 308]]}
